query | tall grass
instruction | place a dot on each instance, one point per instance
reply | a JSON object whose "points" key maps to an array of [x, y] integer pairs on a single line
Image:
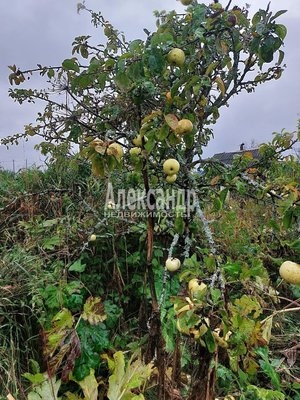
{"points": [[19, 334]]}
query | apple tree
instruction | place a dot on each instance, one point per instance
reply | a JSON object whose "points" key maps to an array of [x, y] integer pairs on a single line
{"points": [[141, 112]]}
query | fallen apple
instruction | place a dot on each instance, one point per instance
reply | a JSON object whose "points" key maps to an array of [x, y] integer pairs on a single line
{"points": [[290, 272], [171, 166], [172, 264], [176, 57], [92, 238]]}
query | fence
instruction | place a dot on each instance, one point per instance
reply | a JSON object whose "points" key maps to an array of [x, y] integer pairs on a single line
{"points": [[17, 165]]}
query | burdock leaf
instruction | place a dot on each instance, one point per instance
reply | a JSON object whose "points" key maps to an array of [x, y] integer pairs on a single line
{"points": [[93, 311]]}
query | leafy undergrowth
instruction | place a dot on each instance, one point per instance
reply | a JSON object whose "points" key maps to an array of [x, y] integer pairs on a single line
{"points": [[78, 307]]}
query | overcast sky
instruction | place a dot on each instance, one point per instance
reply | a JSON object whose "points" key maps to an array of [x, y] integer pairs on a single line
{"points": [[42, 31]]}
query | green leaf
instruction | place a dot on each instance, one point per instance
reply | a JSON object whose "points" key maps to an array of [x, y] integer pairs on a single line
{"points": [[210, 341], [217, 204], [34, 378], [77, 266], [89, 386], [268, 368], [277, 14], [46, 390], [179, 224], [281, 31], [288, 218], [162, 38], [63, 319], [51, 242], [125, 378], [136, 46], [295, 246], [70, 64], [50, 73], [156, 61], [123, 81]]}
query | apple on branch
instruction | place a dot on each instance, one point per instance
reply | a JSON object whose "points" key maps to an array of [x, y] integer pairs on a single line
{"points": [[184, 126], [176, 57], [171, 166], [172, 264]]}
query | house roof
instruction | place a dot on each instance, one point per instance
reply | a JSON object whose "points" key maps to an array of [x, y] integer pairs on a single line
{"points": [[227, 158]]}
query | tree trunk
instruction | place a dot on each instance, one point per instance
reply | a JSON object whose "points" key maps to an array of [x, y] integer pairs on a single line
{"points": [[204, 377]]}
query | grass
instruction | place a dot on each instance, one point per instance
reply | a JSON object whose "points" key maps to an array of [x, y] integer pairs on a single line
{"points": [[18, 323]]}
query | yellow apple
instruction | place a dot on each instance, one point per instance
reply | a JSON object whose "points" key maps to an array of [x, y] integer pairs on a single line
{"points": [[172, 264], [186, 2], [135, 151], [184, 126], [171, 178], [92, 238], [171, 166], [116, 150], [176, 57], [290, 272]]}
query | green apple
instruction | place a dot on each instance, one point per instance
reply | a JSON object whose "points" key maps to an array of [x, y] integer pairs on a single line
{"points": [[135, 151], [172, 264], [171, 178], [186, 2], [184, 126], [93, 238], [171, 166], [176, 57], [116, 150]]}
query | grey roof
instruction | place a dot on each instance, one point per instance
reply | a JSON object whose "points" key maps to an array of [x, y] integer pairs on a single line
{"points": [[227, 158]]}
